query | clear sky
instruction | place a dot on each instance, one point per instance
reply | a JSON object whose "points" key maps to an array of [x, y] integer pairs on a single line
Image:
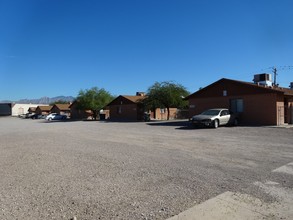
{"points": [[57, 47]]}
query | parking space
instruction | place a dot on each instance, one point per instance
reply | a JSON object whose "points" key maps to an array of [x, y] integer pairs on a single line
{"points": [[112, 170]]}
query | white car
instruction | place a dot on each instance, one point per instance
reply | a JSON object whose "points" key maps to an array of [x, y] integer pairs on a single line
{"points": [[214, 118], [55, 116]]}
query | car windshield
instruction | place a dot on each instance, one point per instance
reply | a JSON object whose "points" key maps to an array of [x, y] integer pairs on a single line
{"points": [[211, 112]]}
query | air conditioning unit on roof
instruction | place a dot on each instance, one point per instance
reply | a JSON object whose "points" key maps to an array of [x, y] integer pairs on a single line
{"points": [[263, 79]]}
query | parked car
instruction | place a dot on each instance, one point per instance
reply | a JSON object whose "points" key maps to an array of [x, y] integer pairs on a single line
{"points": [[55, 116], [37, 116], [27, 115], [215, 118]]}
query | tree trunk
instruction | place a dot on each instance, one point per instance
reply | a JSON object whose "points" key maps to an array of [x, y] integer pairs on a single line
{"points": [[168, 113], [95, 114]]}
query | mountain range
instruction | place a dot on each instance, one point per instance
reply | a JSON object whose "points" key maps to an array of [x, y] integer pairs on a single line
{"points": [[43, 100]]}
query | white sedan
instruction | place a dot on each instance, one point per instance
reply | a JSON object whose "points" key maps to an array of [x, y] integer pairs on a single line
{"points": [[214, 118]]}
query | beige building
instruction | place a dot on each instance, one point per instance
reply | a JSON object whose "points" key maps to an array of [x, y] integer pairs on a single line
{"points": [[19, 109]]}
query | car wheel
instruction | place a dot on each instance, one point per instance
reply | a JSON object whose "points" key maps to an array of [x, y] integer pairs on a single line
{"points": [[49, 119], [215, 123]]}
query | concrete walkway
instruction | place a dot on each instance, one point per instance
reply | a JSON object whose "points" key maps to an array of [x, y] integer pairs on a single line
{"points": [[231, 206]]}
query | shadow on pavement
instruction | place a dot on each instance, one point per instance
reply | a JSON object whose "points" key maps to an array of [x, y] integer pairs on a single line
{"points": [[183, 125]]}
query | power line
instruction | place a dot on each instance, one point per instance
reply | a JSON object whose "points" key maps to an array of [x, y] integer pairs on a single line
{"points": [[274, 70]]}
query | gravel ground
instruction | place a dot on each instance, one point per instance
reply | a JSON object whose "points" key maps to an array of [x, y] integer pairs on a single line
{"points": [[112, 170]]}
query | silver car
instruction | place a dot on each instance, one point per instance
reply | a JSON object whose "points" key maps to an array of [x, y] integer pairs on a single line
{"points": [[214, 118], [55, 116]]}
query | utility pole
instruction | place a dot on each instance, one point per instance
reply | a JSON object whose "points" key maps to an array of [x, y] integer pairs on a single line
{"points": [[275, 76]]}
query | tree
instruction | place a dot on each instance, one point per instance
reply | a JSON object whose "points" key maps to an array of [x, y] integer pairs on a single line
{"points": [[166, 95], [59, 102], [93, 99]]}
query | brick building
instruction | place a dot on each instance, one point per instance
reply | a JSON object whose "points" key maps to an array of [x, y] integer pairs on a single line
{"points": [[127, 108], [255, 103], [62, 109], [43, 109]]}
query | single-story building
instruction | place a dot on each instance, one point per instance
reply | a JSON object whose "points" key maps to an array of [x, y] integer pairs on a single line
{"points": [[16, 109], [43, 109], [127, 108], [131, 108], [256, 103], [19, 109], [78, 114], [62, 109], [32, 110]]}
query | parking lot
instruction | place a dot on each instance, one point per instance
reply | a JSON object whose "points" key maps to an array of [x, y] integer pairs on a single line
{"points": [[112, 170]]}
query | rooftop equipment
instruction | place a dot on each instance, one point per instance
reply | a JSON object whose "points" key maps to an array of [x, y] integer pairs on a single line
{"points": [[264, 79]]}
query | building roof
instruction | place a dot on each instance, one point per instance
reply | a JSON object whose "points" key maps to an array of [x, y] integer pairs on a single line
{"points": [[32, 108], [62, 107], [134, 98], [73, 103], [45, 107], [268, 89]]}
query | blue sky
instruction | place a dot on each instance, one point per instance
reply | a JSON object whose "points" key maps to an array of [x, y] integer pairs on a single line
{"points": [[57, 47]]}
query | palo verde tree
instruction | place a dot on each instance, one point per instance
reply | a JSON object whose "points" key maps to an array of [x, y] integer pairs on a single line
{"points": [[93, 99], [166, 95]]}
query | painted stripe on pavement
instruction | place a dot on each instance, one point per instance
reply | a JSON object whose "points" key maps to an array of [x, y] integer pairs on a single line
{"points": [[288, 168], [227, 206]]}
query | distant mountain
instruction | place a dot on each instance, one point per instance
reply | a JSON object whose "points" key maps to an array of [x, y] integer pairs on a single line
{"points": [[43, 100]]}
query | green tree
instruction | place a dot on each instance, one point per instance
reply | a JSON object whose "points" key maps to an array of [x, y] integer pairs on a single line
{"points": [[59, 102], [93, 99], [166, 95]]}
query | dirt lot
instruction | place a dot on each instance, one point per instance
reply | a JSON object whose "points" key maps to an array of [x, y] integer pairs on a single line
{"points": [[104, 170]]}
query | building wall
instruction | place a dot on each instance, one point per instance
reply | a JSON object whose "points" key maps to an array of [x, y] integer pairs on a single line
{"points": [[105, 112], [258, 109], [42, 111], [18, 109], [290, 113], [32, 110], [78, 114], [131, 112], [55, 109], [198, 105], [162, 114]]}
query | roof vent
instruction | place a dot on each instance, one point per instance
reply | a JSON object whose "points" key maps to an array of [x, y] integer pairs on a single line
{"points": [[291, 85], [264, 79]]}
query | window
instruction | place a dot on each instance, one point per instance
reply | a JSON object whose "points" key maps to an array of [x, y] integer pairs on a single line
{"points": [[236, 105], [224, 112]]}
